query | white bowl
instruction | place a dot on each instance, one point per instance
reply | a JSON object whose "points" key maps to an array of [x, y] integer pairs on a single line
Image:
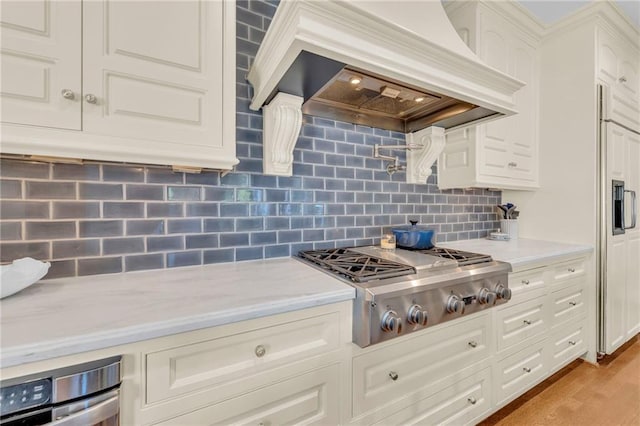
{"points": [[20, 275]]}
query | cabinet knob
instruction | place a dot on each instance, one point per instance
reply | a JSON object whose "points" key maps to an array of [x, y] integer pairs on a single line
{"points": [[92, 99], [622, 79], [68, 94], [472, 400], [512, 164], [260, 351], [473, 343], [527, 322], [526, 369], [525, 282], [393, 375]]}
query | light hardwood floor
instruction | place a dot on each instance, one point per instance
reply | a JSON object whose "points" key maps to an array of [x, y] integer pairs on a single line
{"points": [[582, 394]]}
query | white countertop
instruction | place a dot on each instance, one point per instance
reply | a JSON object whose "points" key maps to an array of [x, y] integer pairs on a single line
{"points": [[72, 315], [521, 253]]}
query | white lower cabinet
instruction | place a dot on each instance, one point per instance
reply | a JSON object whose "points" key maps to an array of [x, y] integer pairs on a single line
{"points": [[302, 368], [463, 402], [212, 363], [566, 344], [309, 399], [517, 323], [518, 372], [381, 376], [283, 369]]}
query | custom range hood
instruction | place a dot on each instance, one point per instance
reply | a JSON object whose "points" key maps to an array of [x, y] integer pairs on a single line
{"points": [[391, 64]]}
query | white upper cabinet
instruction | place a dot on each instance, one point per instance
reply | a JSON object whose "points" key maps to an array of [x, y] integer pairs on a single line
{"points": [[504, 152], [143, 82], [619, 68], [41, 63]]}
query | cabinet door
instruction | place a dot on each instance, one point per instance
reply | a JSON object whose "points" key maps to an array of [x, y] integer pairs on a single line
{"points": [[516, 373], [41, 58], [566, 344], [494, 51], [311, 398], [465, 402], [619, 68], [384, 375], [155, 73], [522, 127], [517, 323]]}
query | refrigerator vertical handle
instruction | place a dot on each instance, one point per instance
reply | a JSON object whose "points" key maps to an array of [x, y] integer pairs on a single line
{"points": [[634, 209]]}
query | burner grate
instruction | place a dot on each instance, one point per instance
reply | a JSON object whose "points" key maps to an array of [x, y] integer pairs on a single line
{"points": [[356, 266], [462, 257]]}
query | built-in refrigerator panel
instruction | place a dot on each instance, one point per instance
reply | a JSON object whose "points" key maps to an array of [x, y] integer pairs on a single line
{"points": [[619, 245]]}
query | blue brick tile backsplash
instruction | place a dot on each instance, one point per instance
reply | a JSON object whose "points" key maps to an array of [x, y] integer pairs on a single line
{"points": [[105, 218]]}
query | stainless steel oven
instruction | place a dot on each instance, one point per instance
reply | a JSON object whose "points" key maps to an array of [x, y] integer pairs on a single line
{"points": [[81, 395]]}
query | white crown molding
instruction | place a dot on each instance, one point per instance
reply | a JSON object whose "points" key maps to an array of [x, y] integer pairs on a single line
{"points": [[282, 120], [511, 11], [345, 32], [606, 13], [419, 160]]}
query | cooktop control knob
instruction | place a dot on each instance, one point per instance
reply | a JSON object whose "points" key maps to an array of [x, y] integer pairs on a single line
{"points": [[487, 297], [455, 304], [417, 315], [503, 292], [391, 322]]}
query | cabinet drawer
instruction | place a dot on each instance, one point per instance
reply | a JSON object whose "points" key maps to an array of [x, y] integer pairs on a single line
{"points": [[311, 398], [567, 344], [516, 373], [465, 402], [567, 303], [567, 271], [523, 284], [414, 363], [191, 367], [522, 321]]}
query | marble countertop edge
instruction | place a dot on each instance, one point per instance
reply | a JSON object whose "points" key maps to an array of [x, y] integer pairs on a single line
{"points": [[95, 341]]}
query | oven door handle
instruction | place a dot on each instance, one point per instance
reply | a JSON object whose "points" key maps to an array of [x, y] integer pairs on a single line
{"points": [[89, 411]]}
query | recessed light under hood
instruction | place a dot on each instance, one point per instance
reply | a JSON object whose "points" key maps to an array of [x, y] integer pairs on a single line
{"points": [[396, 65]]}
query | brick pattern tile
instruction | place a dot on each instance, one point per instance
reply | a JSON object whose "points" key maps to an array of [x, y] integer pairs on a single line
{"points": [[106, 218]]}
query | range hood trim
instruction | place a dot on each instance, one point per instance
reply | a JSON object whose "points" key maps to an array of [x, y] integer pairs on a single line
{"points": [[344, 32]]}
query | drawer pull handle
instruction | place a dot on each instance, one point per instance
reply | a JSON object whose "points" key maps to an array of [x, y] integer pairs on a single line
{"points": [[573, 303], [572, 270], [472, 400], [260, 351], [622, 79], [473, 343], [525, 282], [526, 369], [512, 164], [527, 322], [393, 375], [572, 343]]}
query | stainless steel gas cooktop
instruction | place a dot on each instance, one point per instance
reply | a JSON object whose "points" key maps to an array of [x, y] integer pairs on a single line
{"points": [[402, 291]]}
